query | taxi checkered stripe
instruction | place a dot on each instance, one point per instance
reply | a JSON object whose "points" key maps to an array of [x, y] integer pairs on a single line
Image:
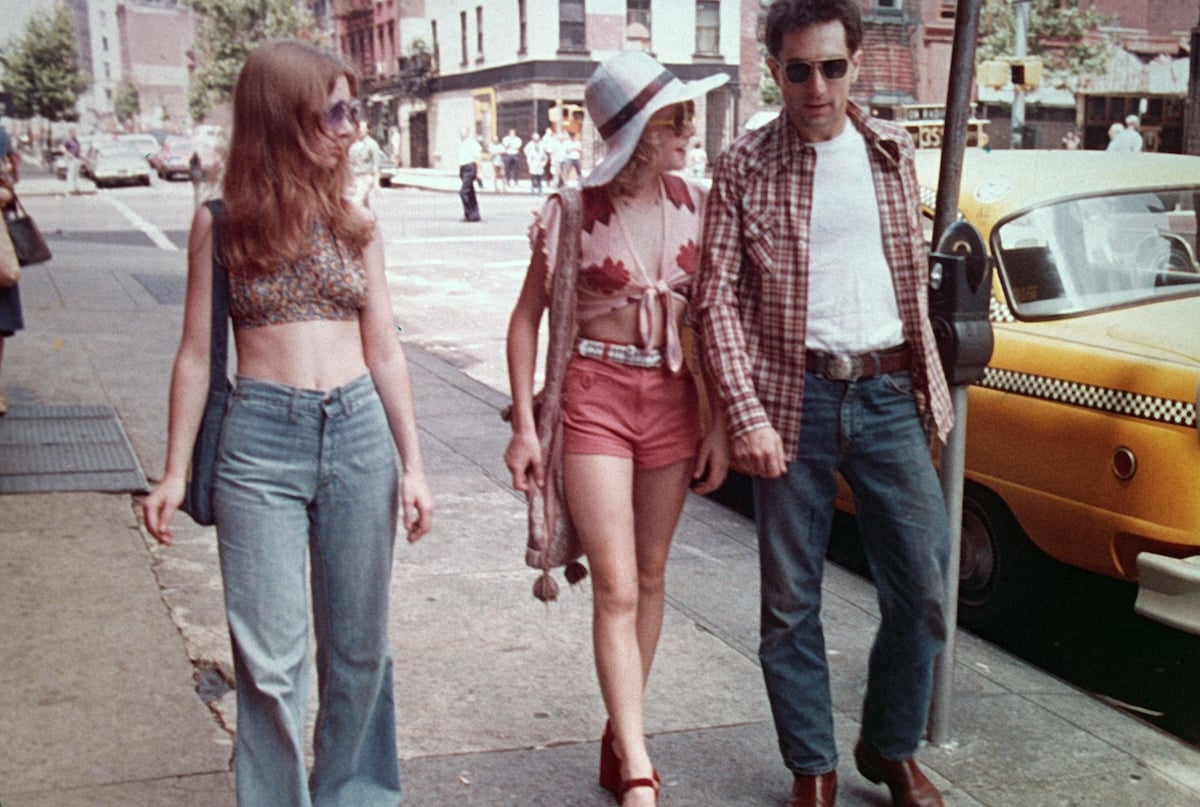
{"points": [[1121, 402]]}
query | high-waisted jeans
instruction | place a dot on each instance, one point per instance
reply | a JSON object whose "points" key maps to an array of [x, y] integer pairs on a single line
{"points": [[308, 474], [870, 431]]}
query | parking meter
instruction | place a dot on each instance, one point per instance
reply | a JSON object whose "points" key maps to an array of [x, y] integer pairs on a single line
{"points": [[960, 292]]}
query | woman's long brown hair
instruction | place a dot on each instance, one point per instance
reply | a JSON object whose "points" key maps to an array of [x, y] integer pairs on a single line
{"points": [[275, 186]]}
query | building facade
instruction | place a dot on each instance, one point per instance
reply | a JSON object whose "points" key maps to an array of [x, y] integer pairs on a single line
{"points": [[157, 57], [439, 66]]}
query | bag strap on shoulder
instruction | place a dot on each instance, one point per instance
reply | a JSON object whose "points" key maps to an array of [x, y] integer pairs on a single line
{"points": [[219, 335]]}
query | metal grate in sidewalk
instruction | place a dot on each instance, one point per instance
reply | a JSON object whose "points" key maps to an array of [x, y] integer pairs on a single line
{"points": [[52, 449]]}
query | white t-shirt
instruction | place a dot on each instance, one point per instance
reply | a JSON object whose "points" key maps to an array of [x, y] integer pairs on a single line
{"points": [[851, 300], [469, 151]]}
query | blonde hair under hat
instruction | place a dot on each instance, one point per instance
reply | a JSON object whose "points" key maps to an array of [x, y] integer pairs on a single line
{"points": [[622, 95]]}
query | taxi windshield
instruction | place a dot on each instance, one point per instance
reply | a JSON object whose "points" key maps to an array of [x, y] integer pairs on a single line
{"points": [[1099, 252]]}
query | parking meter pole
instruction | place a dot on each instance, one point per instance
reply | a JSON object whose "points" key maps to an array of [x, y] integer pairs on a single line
{"points": [[952, 466], [954, 138], [958, 109]]}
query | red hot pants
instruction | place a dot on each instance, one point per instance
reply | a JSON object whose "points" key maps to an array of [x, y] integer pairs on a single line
{"points": [[649, 415]]}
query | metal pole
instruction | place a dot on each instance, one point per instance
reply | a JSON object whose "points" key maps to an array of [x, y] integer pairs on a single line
{"points": [[1191, 129], [962, 77], [1020, 35]]}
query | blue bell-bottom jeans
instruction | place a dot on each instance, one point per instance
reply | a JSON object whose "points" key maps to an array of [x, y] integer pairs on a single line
{"points": [[309, 476], [870, 431]]}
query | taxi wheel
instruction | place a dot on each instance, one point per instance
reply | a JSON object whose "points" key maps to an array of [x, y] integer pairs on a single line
{"points": [[999, 569]]}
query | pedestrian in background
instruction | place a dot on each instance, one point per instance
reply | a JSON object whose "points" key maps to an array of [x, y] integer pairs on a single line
{"points": [[552, 143], [469, 152], [305, 488], [512, 158], [1122, 140], [73, 154], [11, 316], [394, 150], [632, 436], [365, 157], [535, 158], [572, 158], [1133, 134], [496, 160], [813, 311]]}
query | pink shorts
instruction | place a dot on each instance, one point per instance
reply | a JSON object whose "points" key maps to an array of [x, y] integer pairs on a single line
{"points": [[651, 416]]}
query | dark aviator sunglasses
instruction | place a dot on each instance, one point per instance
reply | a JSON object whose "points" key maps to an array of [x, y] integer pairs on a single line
{"points": [[335, 114], [801, 72]]}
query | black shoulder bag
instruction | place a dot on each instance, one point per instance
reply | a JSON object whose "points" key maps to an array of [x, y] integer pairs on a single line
{"points": [[198, 495]]}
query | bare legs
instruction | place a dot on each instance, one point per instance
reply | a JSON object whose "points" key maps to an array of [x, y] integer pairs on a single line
{"points": [[626, 520]]}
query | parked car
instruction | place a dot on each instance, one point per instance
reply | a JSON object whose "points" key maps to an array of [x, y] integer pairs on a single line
{"points": [[1083, 443], [146, 144], [117, 163], [172, 160]]}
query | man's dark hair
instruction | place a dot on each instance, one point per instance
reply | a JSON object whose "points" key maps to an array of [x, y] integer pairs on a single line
{"points": [[788, 15]]}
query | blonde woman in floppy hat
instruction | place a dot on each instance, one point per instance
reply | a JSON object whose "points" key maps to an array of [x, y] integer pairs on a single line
{"points": [[632, 434]]}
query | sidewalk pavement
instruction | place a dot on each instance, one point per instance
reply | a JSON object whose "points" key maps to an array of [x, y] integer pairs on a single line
{"points": [[114, 660]]}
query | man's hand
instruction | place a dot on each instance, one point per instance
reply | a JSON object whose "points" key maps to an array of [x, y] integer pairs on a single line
{"points": [[759, 453]]}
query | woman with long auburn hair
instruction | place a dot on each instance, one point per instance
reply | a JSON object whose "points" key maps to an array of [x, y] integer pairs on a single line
{"points": [[305, 489]]}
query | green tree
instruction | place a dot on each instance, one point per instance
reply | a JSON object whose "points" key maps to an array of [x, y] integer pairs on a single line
{"points": [[1059, 31], [127, 103], [41, 68], [228, 30]]}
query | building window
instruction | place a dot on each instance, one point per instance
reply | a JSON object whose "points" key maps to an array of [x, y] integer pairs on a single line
{"points": [[893, 6], [572, 25], [522, 28], [637, 12], [637, 25], [708, 27], [437, 48], [462, 22], [391, 51], [479, 33]]}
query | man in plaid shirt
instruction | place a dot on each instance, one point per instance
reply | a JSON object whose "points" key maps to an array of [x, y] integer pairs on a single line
{"points": [[813, 313]]}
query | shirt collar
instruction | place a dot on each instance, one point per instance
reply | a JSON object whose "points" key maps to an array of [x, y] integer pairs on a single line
{"points": [[878, 134]]}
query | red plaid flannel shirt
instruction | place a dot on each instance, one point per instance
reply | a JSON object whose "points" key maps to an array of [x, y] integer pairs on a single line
{"points": [[751, 293]]}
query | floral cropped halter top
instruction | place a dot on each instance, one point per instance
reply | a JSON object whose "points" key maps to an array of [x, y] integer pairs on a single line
{"points": [[610, 274], [324, 283]]}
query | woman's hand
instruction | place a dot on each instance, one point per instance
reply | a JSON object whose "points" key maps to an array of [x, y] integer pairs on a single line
{"points": [[712, 463], [159, 507], [524, 460], [416, 502]]}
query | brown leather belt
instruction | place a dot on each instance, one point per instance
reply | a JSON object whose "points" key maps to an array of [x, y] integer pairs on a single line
{"points": [[853, 366]]}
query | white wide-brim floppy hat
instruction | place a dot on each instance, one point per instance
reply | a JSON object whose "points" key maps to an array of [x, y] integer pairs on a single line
{"points": [[621, 96]]}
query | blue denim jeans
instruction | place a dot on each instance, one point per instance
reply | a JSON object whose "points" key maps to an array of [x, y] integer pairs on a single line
{"points": [[309, 476], [870, 431]]}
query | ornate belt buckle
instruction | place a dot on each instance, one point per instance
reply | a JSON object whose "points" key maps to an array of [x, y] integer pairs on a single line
{"points": [[840, 367]]}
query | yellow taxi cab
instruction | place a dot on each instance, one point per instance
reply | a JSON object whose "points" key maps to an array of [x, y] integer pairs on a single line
{"points": [[1082, 439]]}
